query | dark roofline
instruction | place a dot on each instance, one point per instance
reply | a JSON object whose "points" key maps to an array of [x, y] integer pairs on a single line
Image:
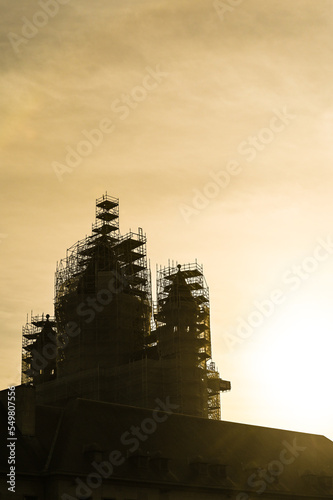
{"points": [[193, 417]]}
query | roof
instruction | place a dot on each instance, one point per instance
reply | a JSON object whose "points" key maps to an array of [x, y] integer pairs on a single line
{"points": [[157, 446]]}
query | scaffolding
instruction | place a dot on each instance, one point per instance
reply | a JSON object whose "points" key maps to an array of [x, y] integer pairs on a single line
{"points": [[70, 269], [193, 275], [39, 342], [213, 388], [128, 253], [121, 351], [207, 386], [131, 252], [111, 271]]}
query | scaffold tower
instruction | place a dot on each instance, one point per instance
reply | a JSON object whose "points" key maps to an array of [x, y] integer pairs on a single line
{"points": [[108, 341], [182, 316]]}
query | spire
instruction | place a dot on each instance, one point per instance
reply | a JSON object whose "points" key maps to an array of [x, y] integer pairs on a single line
{"points": [[180, 302]]}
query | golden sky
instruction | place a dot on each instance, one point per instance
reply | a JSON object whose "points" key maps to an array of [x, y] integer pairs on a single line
{"points": [[212, 122]]}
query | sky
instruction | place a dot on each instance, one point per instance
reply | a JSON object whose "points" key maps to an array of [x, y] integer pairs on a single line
{"points": [[211, 121]]}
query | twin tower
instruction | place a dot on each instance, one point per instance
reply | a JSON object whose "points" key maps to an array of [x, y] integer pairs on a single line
{"points": [[108, 341]]}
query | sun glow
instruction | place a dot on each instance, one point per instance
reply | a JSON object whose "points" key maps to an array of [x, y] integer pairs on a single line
{"points": [[296, 363]]}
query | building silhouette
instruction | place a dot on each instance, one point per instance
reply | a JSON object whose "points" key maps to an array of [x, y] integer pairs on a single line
{"points": [[108, 342], [120, 398]]}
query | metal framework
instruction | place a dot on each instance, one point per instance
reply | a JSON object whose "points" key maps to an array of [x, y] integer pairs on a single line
{"points": [[193, 274], [130, 251], [194, 278], [131, 351], [32, 343]]}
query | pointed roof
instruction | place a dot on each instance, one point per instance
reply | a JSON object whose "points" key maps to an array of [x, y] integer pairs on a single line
{"points": [[179, 292]]}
